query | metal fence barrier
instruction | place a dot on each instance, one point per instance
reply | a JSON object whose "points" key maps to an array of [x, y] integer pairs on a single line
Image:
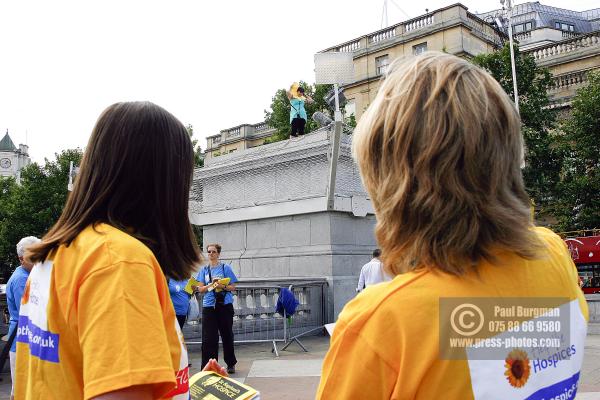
{"points": [[255, 318]]}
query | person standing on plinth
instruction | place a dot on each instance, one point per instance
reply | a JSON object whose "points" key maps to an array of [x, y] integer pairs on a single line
{"points": [[298, 115]]}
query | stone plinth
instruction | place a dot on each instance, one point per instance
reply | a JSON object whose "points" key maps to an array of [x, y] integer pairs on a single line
{"points": [[267, 207]]}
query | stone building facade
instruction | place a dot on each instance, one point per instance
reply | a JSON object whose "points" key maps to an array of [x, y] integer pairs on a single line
{"points": [[566, 42], [452, 29], [12, 159], [240, 137]]}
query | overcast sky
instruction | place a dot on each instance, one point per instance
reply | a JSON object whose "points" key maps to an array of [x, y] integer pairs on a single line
{"points": [[212, 64]]}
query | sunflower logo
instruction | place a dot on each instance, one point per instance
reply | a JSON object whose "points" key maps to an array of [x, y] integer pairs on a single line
{"points": [[517, 368]]}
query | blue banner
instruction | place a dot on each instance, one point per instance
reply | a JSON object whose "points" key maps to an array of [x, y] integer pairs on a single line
{"points": [[563, 390], [42, 344]]}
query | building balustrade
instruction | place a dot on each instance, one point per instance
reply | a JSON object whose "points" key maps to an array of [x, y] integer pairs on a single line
{"points": [[566, 81], [255, 318], [478, 25], [235, 132], [413, 25], [475, 21], [522, 36], [568, 35], [382, 35], [261, 127], [419, 23], [349, 47], [568, 46]]}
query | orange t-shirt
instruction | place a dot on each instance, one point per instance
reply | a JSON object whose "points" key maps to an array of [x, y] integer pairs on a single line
{"points": [[97, 317], [386, 342]]}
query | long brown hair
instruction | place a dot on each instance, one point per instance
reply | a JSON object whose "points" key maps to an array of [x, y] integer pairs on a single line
{"points": [[135, 175], [439, 151]]}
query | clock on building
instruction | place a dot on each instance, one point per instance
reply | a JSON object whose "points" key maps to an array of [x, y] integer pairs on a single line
{"points": [[5, 163]]}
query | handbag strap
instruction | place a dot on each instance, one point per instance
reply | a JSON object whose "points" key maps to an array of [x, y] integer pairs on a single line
{"points": [[210, 275]]}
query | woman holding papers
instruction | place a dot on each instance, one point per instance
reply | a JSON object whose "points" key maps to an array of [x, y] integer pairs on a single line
{"points": [[217, 282]]}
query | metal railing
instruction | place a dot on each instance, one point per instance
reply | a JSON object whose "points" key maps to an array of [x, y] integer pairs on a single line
{"points": [[255, 319]]}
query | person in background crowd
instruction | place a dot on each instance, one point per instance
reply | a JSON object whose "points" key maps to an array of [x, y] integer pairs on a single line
{"points": [[372, 272], [180, 299], [298, 115], [96, 305], [14, 292], [439, 151], [217, 308]]}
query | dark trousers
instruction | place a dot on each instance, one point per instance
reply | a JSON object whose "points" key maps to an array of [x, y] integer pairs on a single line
{"points": [[215, 321], [298, 126], [181, 319]]}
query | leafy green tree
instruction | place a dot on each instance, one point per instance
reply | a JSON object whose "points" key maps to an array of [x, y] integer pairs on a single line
{"points": [[543, 156], [32, 207], [580, 187], [351, 121], [279, 114], [198, 156]]}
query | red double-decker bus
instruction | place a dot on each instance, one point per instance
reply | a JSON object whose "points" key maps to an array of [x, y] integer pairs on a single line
{"points": [[585, 252]]}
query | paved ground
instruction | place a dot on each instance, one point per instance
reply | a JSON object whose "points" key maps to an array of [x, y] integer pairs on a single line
{"points": [[295, 374]]}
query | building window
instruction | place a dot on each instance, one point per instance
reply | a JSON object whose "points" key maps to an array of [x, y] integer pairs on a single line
{"points": [[232, 150], [527, 26], [419, 48], [563, 26], [381, 64]]}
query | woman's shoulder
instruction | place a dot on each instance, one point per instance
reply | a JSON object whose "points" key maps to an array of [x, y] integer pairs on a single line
{"points": [[398, 297], [120, 246], [549, 237]]}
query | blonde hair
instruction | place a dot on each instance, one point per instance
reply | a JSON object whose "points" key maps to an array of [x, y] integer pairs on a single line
{"points": [[439, 151]]}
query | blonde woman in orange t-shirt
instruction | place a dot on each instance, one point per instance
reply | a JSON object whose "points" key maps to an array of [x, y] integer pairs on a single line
{"points": [[440, 150]]}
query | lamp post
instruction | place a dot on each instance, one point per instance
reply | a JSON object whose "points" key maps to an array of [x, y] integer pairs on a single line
{"points": [[512, 53]]}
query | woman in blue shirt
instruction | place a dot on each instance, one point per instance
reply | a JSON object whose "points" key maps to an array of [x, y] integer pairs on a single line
{"points": [[180, 299], [217, 308], [298, 115]]}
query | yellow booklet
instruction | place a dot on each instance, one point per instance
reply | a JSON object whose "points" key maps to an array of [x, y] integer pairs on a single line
{"points": [[223, 281], [212, 386], [192, 282]]}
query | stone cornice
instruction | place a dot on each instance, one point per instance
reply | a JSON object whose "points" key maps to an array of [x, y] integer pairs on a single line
{"points": [[267, 155]]}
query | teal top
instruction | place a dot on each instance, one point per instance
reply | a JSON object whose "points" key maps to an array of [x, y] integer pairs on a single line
{"points": [[297, 109]]}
